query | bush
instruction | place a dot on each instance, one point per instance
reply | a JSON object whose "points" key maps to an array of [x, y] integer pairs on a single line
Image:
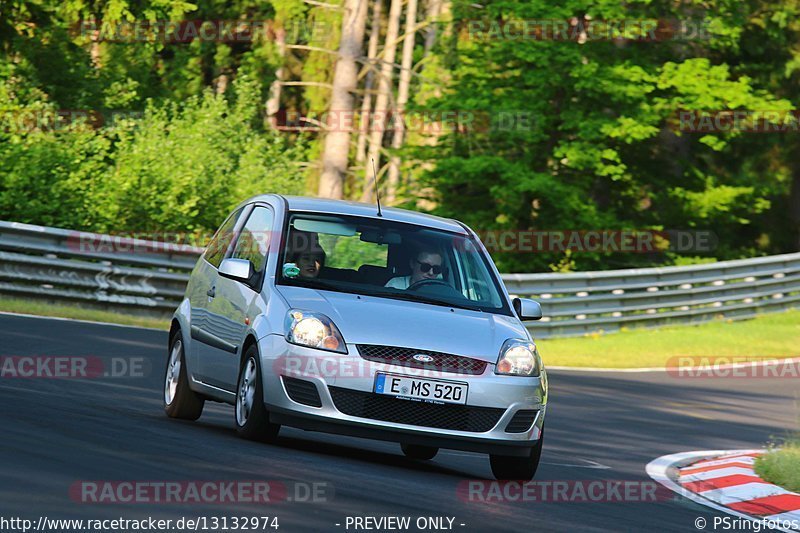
{"points": [[50, 170], [781, 466], [177, 168]]}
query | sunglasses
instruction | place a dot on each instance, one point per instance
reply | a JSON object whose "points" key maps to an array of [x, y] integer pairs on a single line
{"points": [[427, 267]]}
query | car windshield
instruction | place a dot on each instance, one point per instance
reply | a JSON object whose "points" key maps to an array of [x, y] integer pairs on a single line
{"points": [[389, 259]]}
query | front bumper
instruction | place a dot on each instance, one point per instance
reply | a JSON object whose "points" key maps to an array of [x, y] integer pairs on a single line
{"points": [[504, 395]]}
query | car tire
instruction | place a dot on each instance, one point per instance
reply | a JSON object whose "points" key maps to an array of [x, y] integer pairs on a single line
{"points": [[179, 400], [415, 451], [524, 468], [250, 415]]}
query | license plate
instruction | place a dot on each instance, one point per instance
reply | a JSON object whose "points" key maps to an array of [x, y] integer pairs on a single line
{"points": [[426, 390]]}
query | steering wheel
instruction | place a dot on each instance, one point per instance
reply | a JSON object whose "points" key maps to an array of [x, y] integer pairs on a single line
{"points": [[435, 287], [429, 282]]}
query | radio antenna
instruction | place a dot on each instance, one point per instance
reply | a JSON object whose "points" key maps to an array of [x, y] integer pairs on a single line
{"points": [[375, 181]]}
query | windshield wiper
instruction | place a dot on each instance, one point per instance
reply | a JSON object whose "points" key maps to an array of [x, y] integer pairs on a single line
{"points": [[412, 297]]}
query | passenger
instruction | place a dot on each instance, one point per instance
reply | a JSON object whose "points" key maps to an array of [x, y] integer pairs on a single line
{"points": [[309, 262], [426, 264]]}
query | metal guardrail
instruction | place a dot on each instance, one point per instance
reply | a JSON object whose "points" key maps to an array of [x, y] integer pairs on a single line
{"points": [[587, 302], [149, 278], [122, 274]]}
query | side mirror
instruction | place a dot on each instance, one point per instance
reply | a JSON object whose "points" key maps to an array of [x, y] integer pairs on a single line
{"points": [[236, 269], [527, 309]]}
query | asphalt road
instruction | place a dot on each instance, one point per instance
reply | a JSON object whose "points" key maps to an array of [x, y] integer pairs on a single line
{"points": [[600, 426]]}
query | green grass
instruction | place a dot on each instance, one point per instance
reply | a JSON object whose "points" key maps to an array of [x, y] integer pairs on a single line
{"points": [[773, 335], [781, 466], [28, 307]]}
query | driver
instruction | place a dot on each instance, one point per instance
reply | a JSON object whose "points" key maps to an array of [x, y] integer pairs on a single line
{"points": [[426, 264]]}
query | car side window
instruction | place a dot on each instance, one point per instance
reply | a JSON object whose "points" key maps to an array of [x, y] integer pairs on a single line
{"points": [[216, 249], [253, 241], [476, 277]]}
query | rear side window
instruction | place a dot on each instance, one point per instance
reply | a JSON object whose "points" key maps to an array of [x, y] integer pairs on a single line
{"points": [[215, 252], [253, 242]]}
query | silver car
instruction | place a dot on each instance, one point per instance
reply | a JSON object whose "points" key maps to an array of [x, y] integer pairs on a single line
{"points": [[343, 318]]}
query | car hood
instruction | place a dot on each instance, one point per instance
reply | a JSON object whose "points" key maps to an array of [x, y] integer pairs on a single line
{"points": [[384, 321]]}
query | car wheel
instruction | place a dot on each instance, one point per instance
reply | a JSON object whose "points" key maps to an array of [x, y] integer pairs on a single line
{"points": [[415, 451], [179, 400], [252, 418], [517, 468]]}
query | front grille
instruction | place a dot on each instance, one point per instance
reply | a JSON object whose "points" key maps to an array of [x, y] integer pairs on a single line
{"points": [[388, 409], [522, 421], [442, 362], [302, 391]]}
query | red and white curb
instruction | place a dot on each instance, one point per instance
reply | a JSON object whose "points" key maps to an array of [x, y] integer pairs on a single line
{"points": [[725, 480]]}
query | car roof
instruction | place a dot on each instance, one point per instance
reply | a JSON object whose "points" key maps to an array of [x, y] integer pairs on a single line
{"points": [[343, 207]]}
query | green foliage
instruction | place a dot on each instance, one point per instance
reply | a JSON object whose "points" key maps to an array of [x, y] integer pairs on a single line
{"points": [[781, 465], [352, 252], [602, 148], [579, 136], [179, 168], [211, 155], [50, 169]]}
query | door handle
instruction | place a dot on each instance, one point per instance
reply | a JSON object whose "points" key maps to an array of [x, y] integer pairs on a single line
{"points": [[211, 292]]}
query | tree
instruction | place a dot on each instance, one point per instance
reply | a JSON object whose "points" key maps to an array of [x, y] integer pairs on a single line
{"points": [[335, 155], [366, 100], [572, 135], [406, 62], [380, 119]]}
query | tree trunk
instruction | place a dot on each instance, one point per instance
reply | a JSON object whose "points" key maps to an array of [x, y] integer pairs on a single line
{"points": [[94, 49], [345, 80], [440, 26], [273, 104], [430, 34], [378, 124], [366, 102], [402, 99], [221, 84]]}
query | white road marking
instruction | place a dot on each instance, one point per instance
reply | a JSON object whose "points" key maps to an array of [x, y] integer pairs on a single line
{"points": [[713, 474], [603, 369], [748, 459], [25, 315], [785, 517], [743, 493], [590, 464], [684, 369]]}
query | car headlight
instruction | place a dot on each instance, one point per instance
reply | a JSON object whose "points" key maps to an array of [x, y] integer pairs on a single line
{"points": [[518, 358], [314, 330]]}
